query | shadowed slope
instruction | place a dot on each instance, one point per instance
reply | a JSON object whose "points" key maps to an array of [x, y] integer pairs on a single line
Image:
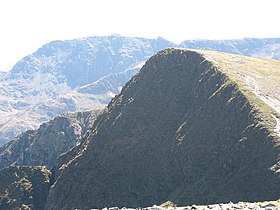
{"points": [[24, 187]]}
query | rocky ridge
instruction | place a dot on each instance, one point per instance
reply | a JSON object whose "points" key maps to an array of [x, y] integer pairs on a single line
{"points": [[187, 129], [44, 145]]}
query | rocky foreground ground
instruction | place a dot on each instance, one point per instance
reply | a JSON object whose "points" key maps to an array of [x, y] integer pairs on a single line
{"points": [[268, 205]]}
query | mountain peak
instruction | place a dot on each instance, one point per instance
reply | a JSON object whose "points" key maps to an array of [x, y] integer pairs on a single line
{"points": [[181, 127]]}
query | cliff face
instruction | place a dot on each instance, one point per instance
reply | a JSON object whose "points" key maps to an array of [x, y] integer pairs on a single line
{"points": [[44, 145], [187, 129], [24, 187]]}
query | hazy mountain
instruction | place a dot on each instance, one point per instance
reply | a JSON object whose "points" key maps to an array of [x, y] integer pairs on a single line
{"points": [[192, 127], [269, 51], [111, 83], [263, 48], [2, 74], [55, 79], [82, 61]]}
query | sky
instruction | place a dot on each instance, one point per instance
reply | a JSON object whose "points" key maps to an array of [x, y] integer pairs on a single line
{"points": [[26, 25]]}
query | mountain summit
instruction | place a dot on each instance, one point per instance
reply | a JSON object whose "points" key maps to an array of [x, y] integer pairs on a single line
{"points": [[192, 127]]}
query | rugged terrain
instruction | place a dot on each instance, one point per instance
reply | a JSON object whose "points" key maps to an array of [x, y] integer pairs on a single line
{"points": [[44, 145], [84, 74], [193, 127], [24, 187], [69, 76]]}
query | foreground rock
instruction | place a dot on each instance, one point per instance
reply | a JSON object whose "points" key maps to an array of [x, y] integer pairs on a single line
{"points": [[267, 205]]}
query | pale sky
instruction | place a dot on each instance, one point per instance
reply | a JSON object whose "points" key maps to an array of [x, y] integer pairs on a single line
{"points": [[28, 24]]}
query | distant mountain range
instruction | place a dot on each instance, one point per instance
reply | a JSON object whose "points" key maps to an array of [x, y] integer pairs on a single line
{"points": [[69, 76], [84, 74], [263, 48]]}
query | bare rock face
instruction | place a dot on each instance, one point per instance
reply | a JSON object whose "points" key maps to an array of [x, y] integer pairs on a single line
{"points": [[44, 145], [188, 129]]}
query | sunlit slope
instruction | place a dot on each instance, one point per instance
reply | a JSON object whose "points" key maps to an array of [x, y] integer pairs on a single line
{"points": [[258, 79]]}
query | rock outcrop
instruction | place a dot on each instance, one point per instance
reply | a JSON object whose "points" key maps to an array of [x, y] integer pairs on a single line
{"points": [[24, 187], [44, 145], [193, 127]]}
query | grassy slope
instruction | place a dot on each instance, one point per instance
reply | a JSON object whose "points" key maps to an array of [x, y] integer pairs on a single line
{"points": [[258, 79]]}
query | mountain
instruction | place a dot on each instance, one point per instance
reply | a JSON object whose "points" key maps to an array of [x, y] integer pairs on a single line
{"points": [[111, 83], [57, 77], [44, 145], [2, 74], [24, 187], [269, 51], [192, 127], [84, 74], [82, 61], [263, 48]]}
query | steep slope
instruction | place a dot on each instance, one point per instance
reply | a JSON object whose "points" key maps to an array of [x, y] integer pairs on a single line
{"points": [[45, 83], [50, 140], [188, 128], [24, 187]]}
